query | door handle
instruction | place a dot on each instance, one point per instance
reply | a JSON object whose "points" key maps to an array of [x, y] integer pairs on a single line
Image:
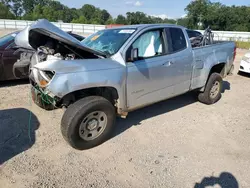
{"points": [[198, 60], [168, 63]]}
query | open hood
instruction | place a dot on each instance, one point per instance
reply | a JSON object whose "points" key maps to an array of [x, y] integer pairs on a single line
{"points": [[42, 31]]}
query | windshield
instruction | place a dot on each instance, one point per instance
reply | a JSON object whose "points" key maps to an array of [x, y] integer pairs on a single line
{"points": [[7, 38], [108, 41]]}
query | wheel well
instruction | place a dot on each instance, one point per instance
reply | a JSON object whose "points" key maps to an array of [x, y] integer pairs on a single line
{"points": [[218, 68], [109, 93]]}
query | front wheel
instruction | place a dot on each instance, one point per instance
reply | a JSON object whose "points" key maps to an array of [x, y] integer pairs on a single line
{"points": [[213, 88], [88, 122]]}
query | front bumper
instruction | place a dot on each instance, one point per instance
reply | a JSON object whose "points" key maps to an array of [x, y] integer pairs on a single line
{"points": [[244, 66], [41, 99]]}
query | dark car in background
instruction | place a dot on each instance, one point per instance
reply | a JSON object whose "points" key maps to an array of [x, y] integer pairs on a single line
{"points": [[8, 56], [10, 53]]}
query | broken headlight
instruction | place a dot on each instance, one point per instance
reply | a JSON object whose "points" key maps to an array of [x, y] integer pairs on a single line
{"points": [[42, 77]]}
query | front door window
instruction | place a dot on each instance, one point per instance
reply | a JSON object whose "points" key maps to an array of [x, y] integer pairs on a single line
{"points": [[149, 44]]}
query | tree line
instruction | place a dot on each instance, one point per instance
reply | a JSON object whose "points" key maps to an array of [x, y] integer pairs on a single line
{"points": [[200, 14]]}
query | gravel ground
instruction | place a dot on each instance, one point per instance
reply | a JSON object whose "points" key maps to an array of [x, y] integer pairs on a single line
{"points": [[176, 143]]}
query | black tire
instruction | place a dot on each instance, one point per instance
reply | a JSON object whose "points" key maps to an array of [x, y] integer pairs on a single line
{"points": [[75, 115], [206, 97]]}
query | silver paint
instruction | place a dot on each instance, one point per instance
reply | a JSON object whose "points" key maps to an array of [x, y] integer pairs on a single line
{"points": [[138, 83]]}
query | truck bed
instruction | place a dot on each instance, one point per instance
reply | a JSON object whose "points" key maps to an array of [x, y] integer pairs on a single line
{"points": [[206, 56]]}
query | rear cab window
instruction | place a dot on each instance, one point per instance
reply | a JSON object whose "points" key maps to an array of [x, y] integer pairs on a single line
{"points": [[176, 39], [192, 33]]}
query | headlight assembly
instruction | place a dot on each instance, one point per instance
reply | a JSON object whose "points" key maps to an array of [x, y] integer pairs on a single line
{"points": [[42, 77]]}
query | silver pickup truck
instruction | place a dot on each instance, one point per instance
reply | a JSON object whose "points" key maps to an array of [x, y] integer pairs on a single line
{"points": [[118, 70]]}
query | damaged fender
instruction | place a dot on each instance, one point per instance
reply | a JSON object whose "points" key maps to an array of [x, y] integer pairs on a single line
{"points": [[76, 75]]}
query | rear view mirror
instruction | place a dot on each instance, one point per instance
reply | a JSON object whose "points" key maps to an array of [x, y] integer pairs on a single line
{"points": [[134, 54]]}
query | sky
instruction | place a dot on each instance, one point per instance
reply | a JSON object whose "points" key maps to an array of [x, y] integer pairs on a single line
{"points": [[161, 8]]}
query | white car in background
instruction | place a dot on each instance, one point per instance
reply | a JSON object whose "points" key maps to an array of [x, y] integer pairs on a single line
{"points": [[245, 63]]}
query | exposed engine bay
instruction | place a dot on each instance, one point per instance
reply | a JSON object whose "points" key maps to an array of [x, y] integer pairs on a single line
{"points": [[28, 59], [48, 47], [44, 47], [45, 53], [48, 52], [52, 49]]}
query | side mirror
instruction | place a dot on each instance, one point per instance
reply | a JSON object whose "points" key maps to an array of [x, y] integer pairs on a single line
{"points": [[134, 54]]}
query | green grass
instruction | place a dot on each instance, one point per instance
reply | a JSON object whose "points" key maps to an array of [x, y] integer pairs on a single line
{"points": [[242, 45]]}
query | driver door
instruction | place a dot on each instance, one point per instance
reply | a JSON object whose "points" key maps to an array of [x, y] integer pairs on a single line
{"points": [[149, 78]]}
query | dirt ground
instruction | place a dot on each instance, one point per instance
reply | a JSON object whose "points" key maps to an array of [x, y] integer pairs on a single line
{"points": [[176, 143]]}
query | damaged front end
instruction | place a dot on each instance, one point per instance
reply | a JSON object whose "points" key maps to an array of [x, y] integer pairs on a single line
{"points": [[39, 81], [51, 45], [41, 99]]}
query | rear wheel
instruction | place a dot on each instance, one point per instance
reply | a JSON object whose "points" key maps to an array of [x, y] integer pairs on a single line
{"points": [[88, 122], [213, 88]]}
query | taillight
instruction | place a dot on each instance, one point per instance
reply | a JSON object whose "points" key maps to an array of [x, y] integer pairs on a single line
{"points": [[235, 52]]}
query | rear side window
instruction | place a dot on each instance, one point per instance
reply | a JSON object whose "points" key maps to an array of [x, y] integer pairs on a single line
{"points": [[192, 34], [177, 39]]}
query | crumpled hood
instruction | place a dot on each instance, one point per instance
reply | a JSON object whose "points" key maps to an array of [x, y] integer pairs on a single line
{"points": [[42, 30], [71, 66]]}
